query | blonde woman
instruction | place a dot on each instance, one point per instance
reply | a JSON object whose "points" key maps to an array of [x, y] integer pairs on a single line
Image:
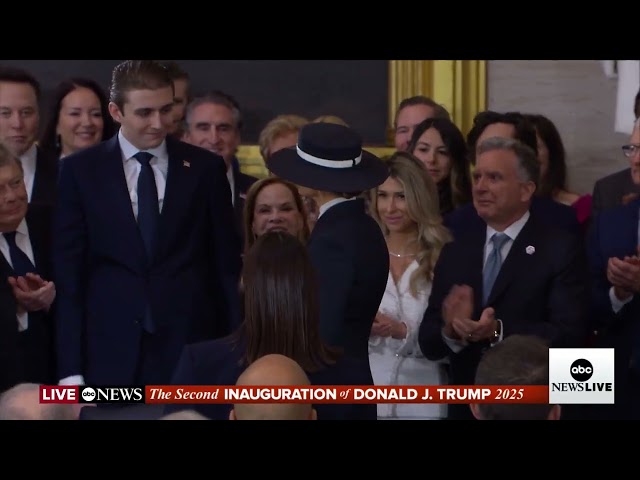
{"points": [[407, 209]]}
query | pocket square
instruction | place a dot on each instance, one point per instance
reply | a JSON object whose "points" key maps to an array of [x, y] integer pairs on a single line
{"points": [[186, 163]]}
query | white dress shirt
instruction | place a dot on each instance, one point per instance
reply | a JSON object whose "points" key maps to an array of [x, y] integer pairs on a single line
{"points": [[24, 243], [232, 182], [28, 160], [512, 231]]}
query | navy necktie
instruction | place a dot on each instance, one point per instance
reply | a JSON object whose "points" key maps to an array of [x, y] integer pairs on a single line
{"points": [[148, 208], [494, 262], [21, 263]]}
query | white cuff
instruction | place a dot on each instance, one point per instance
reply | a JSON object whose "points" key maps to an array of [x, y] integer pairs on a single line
{"points": [[72, 380], [616, 303]]}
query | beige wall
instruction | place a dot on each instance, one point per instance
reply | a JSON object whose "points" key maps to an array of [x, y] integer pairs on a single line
{"points": [[578, 97]]}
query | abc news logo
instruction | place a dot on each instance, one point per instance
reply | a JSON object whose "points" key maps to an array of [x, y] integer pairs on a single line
{"points": [[587, 379], [111, 395], [82, 394]]}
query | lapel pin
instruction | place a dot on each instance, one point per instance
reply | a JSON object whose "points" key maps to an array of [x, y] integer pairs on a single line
{"points": [[186, 163], [530, 250]]}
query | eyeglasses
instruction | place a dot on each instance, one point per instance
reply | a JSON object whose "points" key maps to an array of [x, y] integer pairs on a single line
{"points": [[630, 150]]}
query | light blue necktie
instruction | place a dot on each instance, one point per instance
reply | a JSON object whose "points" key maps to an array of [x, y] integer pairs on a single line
{"points": [[492, 267]]}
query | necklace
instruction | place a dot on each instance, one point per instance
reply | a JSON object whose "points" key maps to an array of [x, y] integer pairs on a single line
{"points": [[402, 255]]}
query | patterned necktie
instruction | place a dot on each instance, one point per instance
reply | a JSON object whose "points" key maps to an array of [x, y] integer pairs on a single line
{"points": [[20, 261], [148, 208], [494, 262]]}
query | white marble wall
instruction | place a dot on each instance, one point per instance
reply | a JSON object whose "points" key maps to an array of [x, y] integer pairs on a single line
{"points": [[578, 97]]}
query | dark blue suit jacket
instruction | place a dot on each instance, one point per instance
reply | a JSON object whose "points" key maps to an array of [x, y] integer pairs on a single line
{"points": [[218, 362], [349, 253], [104, 284], [548, 211], [614, 233], [545, 293]]}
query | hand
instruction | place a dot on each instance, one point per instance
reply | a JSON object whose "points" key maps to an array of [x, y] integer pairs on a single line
{"points": [[473, 331], [458, 304], [32, 292], [381, 325], [624, 274]]}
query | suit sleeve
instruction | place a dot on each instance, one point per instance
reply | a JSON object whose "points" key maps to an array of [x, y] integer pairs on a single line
{"points": [[69, 266], [226, 259], [335, 272], [430, 338]]}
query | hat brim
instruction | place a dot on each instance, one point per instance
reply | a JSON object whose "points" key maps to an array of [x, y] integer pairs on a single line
{"points": [[369, 173]]}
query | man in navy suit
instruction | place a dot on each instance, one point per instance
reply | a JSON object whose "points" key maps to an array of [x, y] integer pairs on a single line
{"points": [[508, 125], [615, 269], [214, 121], [146, 258], [347, 246], [516, 275]]}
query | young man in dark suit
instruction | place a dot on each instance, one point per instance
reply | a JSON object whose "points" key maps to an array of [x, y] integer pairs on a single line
{"points": [[347, 246], [20, 97], [146, 257], [213, 121], [26, 294], [517, 275]]}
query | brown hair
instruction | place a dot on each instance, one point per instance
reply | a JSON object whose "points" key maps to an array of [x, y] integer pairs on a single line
{"points": [[250, 206], [137, 75], [281, 311]]}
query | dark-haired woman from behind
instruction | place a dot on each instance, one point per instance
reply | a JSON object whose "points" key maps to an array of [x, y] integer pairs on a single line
{"points": [[79, 118], [281, 316], [440, 145]]}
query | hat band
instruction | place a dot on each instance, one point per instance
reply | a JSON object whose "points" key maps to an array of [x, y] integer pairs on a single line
{"points": [[322, 162]]}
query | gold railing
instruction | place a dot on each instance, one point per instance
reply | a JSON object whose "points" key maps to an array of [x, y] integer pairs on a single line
{"points": [[459, 85]]}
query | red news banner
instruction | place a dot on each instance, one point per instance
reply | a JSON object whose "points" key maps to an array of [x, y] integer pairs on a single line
{"points": [[347, 394], [191, 394]]}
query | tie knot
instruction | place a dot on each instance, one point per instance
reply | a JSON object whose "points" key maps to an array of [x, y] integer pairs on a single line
{"points": [[143, 157], [11, 237], [499, 239]]}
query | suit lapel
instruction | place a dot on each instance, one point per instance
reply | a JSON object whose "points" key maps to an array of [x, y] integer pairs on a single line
{"points": [[117, 194], [517, 260], [39, 240], [181, 181]]}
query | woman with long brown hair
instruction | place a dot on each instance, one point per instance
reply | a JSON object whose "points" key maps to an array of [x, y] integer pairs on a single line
{"points": [[281, 316]]}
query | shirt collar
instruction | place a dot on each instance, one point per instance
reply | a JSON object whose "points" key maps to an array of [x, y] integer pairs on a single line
{"points": [[129, 150], [512, 230]]}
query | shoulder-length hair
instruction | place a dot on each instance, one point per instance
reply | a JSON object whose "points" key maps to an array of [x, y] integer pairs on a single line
{"points": [[250, 207], [423, 207], [48, 141], [281, 310]]}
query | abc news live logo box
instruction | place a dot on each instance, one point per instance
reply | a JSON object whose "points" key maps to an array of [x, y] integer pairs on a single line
{"points": [[91, 394], [581, 375]]}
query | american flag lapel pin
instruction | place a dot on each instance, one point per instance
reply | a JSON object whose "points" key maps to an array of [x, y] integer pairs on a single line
{"points": [[186, 163]]}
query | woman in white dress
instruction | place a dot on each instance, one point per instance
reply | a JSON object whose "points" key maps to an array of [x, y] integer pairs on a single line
{"points": [[406, 207]]}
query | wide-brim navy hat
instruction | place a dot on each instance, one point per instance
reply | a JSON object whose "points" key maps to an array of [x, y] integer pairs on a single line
{"points": [[329, 157]]}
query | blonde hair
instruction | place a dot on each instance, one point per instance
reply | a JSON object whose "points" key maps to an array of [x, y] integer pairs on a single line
{"points": [[278, 127], [421, 195], [330, 119]]}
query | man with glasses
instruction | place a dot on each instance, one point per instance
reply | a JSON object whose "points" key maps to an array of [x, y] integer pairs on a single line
{"points": [[623, 186], [615, 274]]}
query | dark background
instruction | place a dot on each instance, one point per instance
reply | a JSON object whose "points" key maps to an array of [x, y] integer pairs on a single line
{"points": [[355, 90]]}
